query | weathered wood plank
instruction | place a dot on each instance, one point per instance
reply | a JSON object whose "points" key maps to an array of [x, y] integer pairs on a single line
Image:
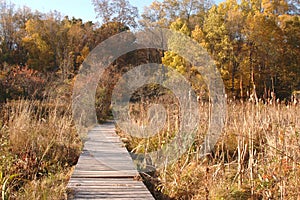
{"points": [[103, 174], [105, 169]]}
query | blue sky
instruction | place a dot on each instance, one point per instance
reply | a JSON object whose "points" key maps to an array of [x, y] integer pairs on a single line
{"points": [[78, 8]]}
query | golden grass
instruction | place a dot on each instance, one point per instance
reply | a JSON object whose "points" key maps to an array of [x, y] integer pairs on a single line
{"points": [[257, 157], [39, 145]]}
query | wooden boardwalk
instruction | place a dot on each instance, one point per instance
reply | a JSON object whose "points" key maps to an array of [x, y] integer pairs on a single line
{"points": [[105, 169]]}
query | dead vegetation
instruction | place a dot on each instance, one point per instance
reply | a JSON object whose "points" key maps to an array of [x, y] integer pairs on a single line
{"points": [[39, 146], [257, 156]]}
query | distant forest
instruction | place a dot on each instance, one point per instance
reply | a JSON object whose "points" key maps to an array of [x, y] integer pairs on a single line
{"points": [[255, 43]]}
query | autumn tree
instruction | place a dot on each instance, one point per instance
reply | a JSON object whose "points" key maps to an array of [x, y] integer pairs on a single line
{"points": [[248, 41], [120, 11], [40, 43], [11, 33], [255, 43], [164, 13]]}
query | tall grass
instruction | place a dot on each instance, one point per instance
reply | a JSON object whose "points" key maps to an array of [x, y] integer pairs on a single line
{"points": [[39, 145], [257, 157]]}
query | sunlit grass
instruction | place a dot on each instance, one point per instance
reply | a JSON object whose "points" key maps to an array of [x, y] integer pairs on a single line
{"points": [[256, 157], [39, 146]]}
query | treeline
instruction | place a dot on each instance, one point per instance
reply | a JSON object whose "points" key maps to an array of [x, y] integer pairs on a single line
{"points": [[48, 42], [38, 49], [255, 43]]}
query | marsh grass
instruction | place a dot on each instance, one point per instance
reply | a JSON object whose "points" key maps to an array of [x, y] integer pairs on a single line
{"points": [[39, 146], [256, 157]]}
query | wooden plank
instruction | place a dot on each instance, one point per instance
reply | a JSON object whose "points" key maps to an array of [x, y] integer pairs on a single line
{"points": [[127, 185], [105, 169], [109, 195], [99, 174], [115, 198], [105, 182]]}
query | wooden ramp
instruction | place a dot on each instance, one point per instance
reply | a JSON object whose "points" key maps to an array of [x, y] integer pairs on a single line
{"points": [[105, 169]]}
